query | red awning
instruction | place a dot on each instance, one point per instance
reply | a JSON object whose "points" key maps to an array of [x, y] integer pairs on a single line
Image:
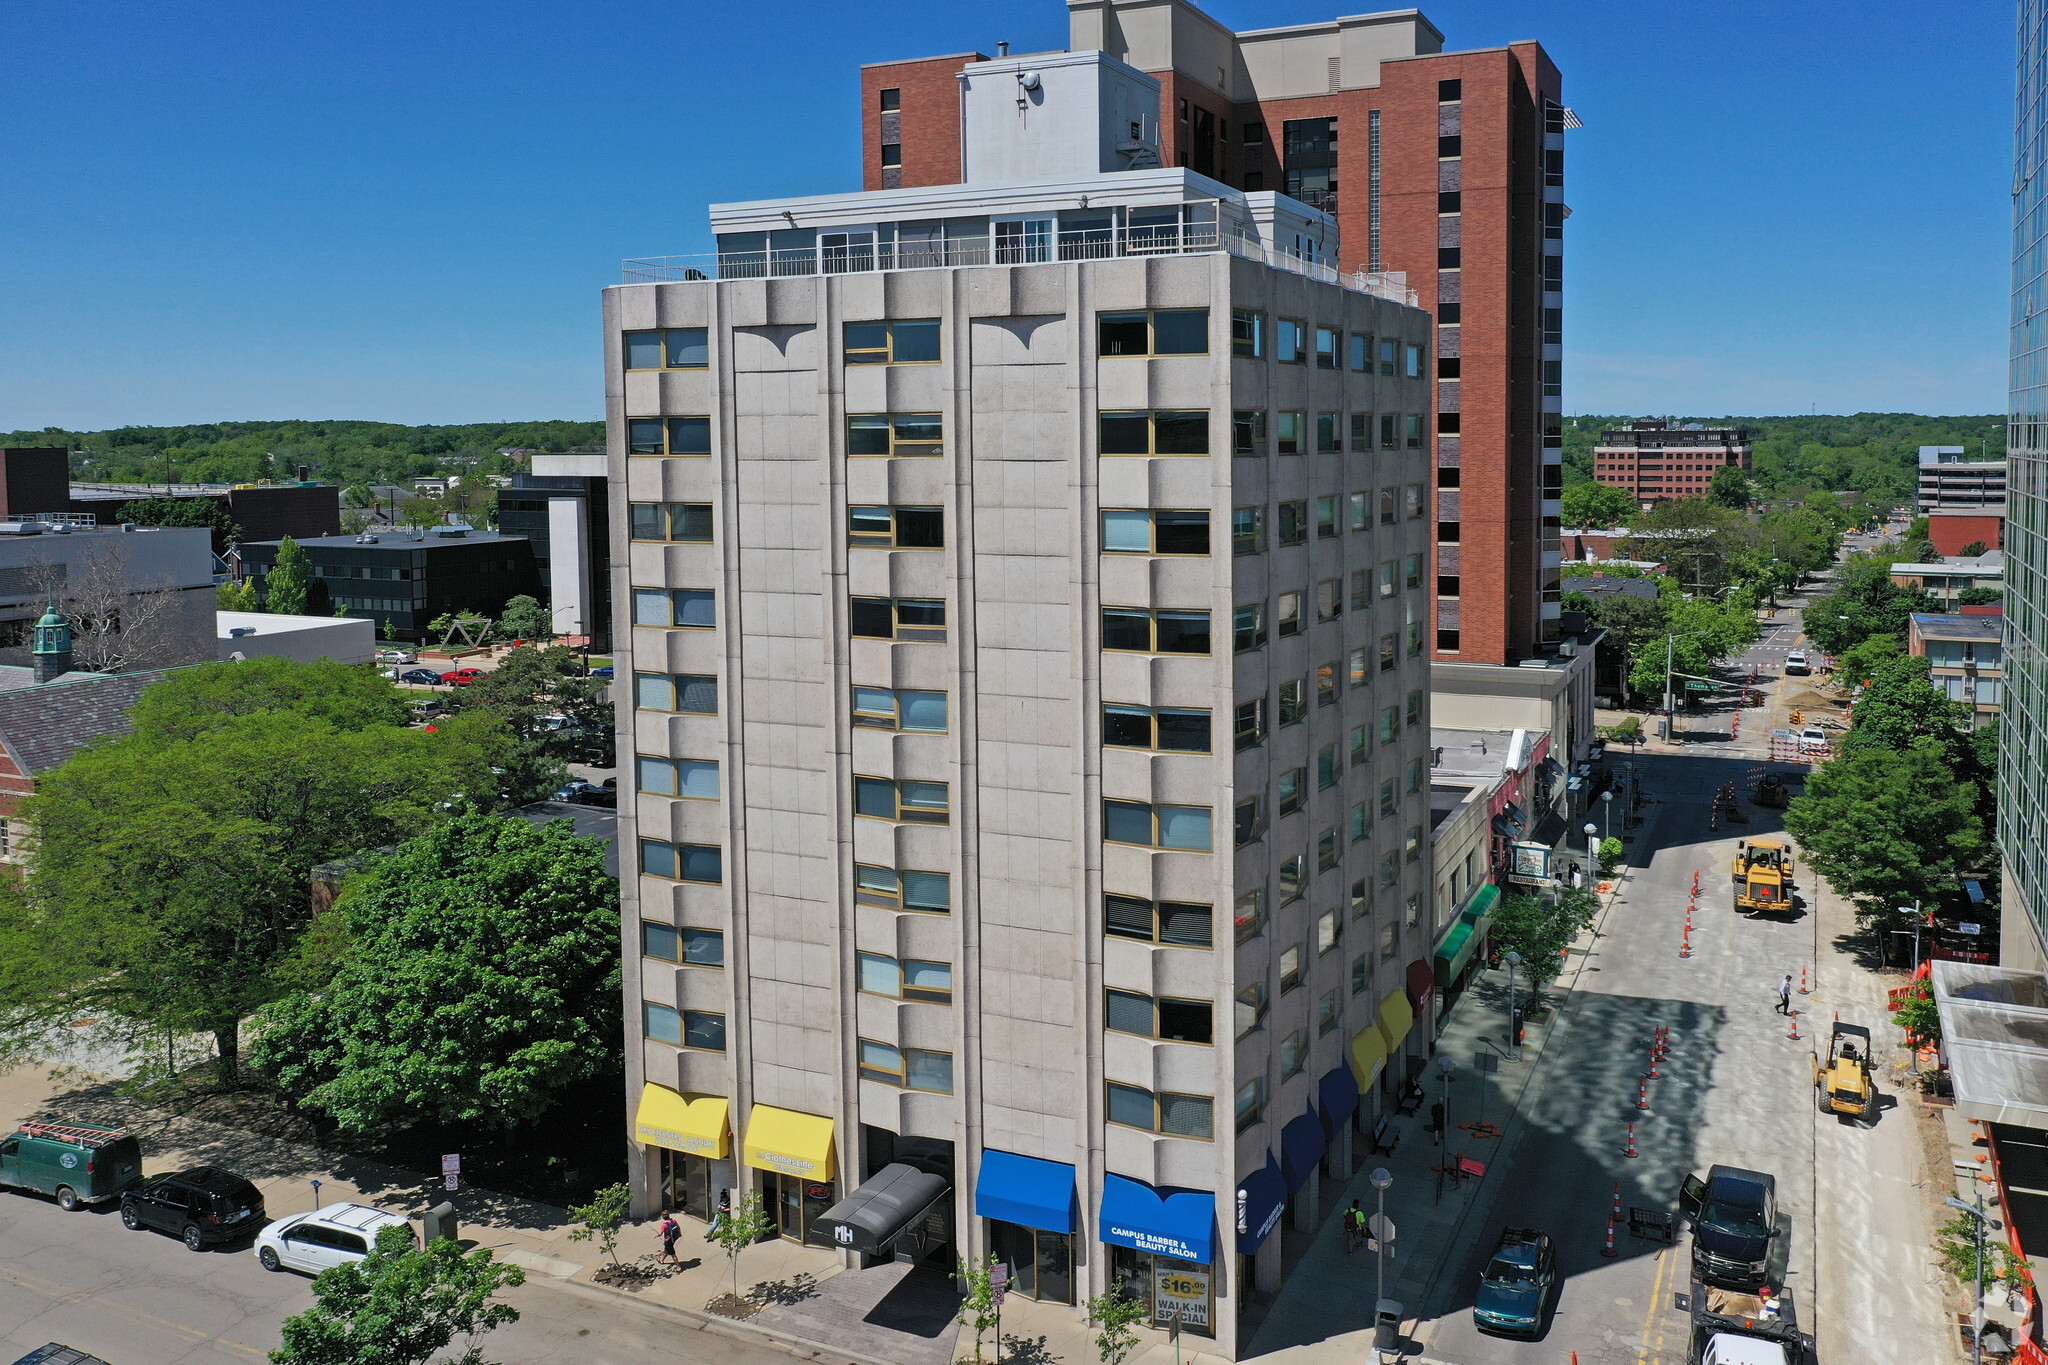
{"points": [[1421, 985]]}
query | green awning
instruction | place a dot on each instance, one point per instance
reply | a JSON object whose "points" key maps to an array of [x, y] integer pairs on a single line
{"points": [[1462, 939]]}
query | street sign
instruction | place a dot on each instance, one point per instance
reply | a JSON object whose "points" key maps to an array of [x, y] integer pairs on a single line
{"points": [[451, 1170], [999, 1281], [1702, 687], [1382, 1228], [1972, 929]]}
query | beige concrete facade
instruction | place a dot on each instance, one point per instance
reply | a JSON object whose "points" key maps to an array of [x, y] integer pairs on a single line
{"points": [[1024, 577]]}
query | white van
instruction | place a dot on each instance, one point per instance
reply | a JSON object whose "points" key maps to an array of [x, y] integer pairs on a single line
{"points": [[323, 1238]]}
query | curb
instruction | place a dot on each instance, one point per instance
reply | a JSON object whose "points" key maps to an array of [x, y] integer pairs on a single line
{"points": [[734, 1328]]}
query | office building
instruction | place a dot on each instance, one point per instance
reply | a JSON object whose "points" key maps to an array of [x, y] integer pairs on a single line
{"points": [[2023, 737], [405, 580], [1656, 461], [1016, 577], [135, 598], [1446, 168], [563, 507]]}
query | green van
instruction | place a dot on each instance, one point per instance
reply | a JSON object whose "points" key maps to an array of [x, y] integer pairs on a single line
{"points": [[76, 1164]]}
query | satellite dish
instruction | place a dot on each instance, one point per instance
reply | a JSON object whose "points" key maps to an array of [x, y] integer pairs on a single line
{"points": [[1030, 80]]}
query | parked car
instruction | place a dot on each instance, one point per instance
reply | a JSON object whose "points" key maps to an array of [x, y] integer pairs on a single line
{"points": [[420, 677], [397, 656], [573, 789], [604, 672], [75, 1164], [324, 1238], [1796, 664], [202, 1205], [1813, 740], [607, 797], [1515, 1286], [463, 677]]}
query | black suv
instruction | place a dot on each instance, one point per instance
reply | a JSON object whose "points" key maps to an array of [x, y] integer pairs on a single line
{"points": [[202, 1205]]}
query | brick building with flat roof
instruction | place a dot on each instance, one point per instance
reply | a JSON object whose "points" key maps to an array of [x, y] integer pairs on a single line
{"points": [[1657, 461]]}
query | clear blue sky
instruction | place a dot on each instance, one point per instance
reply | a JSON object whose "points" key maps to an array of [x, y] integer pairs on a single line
{"points": [[406, 211]]}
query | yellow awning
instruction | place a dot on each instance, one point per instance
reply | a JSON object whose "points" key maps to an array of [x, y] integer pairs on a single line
{"points": [[1397, 1016], [1368, 1055], [784, 1140], [668, 1119]]}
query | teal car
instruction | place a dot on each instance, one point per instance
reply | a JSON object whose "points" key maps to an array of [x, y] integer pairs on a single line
{"points": [[1514, 1289]]}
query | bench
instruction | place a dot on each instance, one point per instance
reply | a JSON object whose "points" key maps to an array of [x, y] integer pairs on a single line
{"points": [[1386, 1135], [1411, 1098]]}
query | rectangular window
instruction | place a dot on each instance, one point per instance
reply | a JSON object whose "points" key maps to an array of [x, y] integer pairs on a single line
{"points": [[1287, 342], [1390, 578], [1293, 1054], [1390, 506], [1248, 432], [1184, 828], [1414, 772], [677, 348], [902, 434], [920, 803], [691, 693], [1247, 334], [1287, 432], [1388, 800], [1250, 914], [1329, 433], [1329, 931], [1251, 1103], [1249, 724], [1411, 427], [695, 779], [1290, 968], [1142, 531], [1360, 670], [1360, 821], [1248, 819], [900, 528], [1289, 787], [662, 1023], [1154, 433], [1328, 767], [1329, 348], [1293, 878], [1361, 433], [1390, 725], [670, 436], [1188, 1116], [1412, 503], [1389, 355], [1361, 898], [1164, 1018], [1326, 518], [1361, 744], [1326, 684], [1329, 599], [1411, 846], [1390, 432], [674, 521], [1411, 571], [1248, 531], [1414, 639], [892, 154], [1390, 652], [892, 100], [1176, 331], [906, 341], [1171, 923], [1248, 628], [1135, 630], [1171, 729], [1361, 589], [1415, 707], [1361, 352], [898, 618], [1287, 607], [1450, 201], [1390, 940], [660, 941], [683, 862], [1292, 526], [1412, 365], [886, 708], [1292, 707], [1361, 972], [930, 892]]}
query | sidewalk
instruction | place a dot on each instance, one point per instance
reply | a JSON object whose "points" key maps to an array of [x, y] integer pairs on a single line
{"points": [[1324, 1312]]}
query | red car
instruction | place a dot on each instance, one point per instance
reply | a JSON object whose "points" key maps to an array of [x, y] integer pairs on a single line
{"points": [[463, 677]]}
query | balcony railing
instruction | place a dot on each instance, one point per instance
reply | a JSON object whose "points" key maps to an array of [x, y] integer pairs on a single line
{"points": [[1077, 244]]}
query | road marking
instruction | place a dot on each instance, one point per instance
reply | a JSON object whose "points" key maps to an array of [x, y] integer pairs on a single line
{"points": [[64, 1293]]}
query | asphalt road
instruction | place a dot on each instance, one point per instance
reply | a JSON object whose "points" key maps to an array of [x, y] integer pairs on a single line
{"points": [[140, 1298]]}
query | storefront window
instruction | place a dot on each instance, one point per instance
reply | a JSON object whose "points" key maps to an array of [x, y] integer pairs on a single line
{"points": [[690, 1184], [1041, 1263], [1168, 1288], [798, 1203]]}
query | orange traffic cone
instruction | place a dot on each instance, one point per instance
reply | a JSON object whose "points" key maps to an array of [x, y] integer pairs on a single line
{"points": [[1608, 1250], [1795, 1026], [1630, 1151], [1802, 980]]}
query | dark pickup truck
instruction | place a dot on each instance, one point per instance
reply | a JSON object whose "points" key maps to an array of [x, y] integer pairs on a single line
{"points": [[1746, 1329], [1734, 1217]]}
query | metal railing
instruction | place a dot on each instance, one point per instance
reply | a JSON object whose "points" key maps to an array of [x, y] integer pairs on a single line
{"points": [[54, 518], [1077, 244]]}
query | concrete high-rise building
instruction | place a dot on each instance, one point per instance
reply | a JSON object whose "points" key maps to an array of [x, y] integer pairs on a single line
{"points": [[1444, 167], [1016, 577], [1657, 461], [2023, 737]]}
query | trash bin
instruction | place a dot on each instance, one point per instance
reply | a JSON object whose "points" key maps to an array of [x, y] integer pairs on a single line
{"points": [[439, 1223], [1386, 1336]]}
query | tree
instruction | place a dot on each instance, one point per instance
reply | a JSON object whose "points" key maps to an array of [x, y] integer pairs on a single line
{"points": [[1597, 504], [290, 580], [1860, 663], [524, 618], [237, 597], [481, 977], [1979, 597], [978, 1310], [1973, 549], [1919, 1016], [1540, 929], [738, 1228], [192, 701], [167, 878], [1115, 1313], [1889, 827], [1730, 487], [204, 512], [117, 624], [602, 1218], [401, 1304], [1864, 602], [355, 521]]}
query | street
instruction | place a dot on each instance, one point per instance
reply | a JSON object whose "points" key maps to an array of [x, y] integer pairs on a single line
{"points": [[140, 1298]]}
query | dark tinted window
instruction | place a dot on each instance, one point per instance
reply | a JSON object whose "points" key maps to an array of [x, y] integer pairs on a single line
{"points": [[1185, 731], [1183, 632], [1127, 726], [1187, 925], [1181, 433], [1181, 331], [1185, 1021], [1123, 334], [1126, 629], [873, 617], [1127, 917], [352, 1241], [917, 342], [1181, 533], [1124, 433], [921, 528]]}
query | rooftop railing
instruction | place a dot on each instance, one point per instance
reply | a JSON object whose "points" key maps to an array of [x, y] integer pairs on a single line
{"points": [[1031, 248]]}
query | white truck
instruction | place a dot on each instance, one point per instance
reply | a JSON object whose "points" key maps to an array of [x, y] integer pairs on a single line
{"points": [[1731, 1328]]}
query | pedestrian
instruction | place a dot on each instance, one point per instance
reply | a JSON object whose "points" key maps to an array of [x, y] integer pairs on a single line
{"points": [[1436, 1119], [1785, 994], [1577, 878], [670, 1230], [1354, 1228], [718, 1218]]}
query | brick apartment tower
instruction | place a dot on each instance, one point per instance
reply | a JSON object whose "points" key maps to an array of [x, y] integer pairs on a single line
{"points": [[1447, 167]]}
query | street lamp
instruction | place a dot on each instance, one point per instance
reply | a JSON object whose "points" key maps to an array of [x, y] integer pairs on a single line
{"points": [[1592, 845], [1514, 1025], [1607, 813], [1977, 1213], [1381, 1178], [1669, 642], [1445, 1068]]}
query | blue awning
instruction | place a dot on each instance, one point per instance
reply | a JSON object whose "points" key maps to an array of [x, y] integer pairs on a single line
{"points": [[1178, 1223], [1338, 1091], [1026, 1190], [1261, 1199], [1302, 1145]]}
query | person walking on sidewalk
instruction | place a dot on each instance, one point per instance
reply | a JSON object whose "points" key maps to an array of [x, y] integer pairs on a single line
{"points": [[1436, 1120], [1785, 994], [670, 1230], [1354, 1228]]}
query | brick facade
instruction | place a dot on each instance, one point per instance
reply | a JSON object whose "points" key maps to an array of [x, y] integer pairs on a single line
{"points": [[1951, 533], [926, 126]]}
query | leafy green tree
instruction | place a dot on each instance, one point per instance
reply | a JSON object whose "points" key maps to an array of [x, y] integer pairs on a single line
{"points": [[401, 1304], [1540, 929], [192, 701], [738, 1228], [1979, 597], [290, 582], [1919, 1015], [186, 512], [237, 597], [168, 884], [1860, 663], [1115, 1314], [1864, 602], [481, 977], [1597, 504], [1730, 487], [602, 1218], [524, 618], [1973, 549], [1889, 827], [1903, 705], [1631, 624], [978, 1312], [355, 521]]}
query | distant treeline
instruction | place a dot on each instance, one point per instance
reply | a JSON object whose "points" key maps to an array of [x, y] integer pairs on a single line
{"points": [[1873, 453], [335, 452]]}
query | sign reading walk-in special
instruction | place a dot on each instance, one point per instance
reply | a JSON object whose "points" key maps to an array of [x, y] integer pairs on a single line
{"points": [[1181, 1290]]}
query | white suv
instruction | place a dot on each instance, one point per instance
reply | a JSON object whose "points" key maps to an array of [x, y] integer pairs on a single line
{"points": [[314, 1241], [1796, 664]]}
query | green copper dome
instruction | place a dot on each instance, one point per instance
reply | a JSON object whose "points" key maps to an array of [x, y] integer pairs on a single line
{"points": [[52, 633]]}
